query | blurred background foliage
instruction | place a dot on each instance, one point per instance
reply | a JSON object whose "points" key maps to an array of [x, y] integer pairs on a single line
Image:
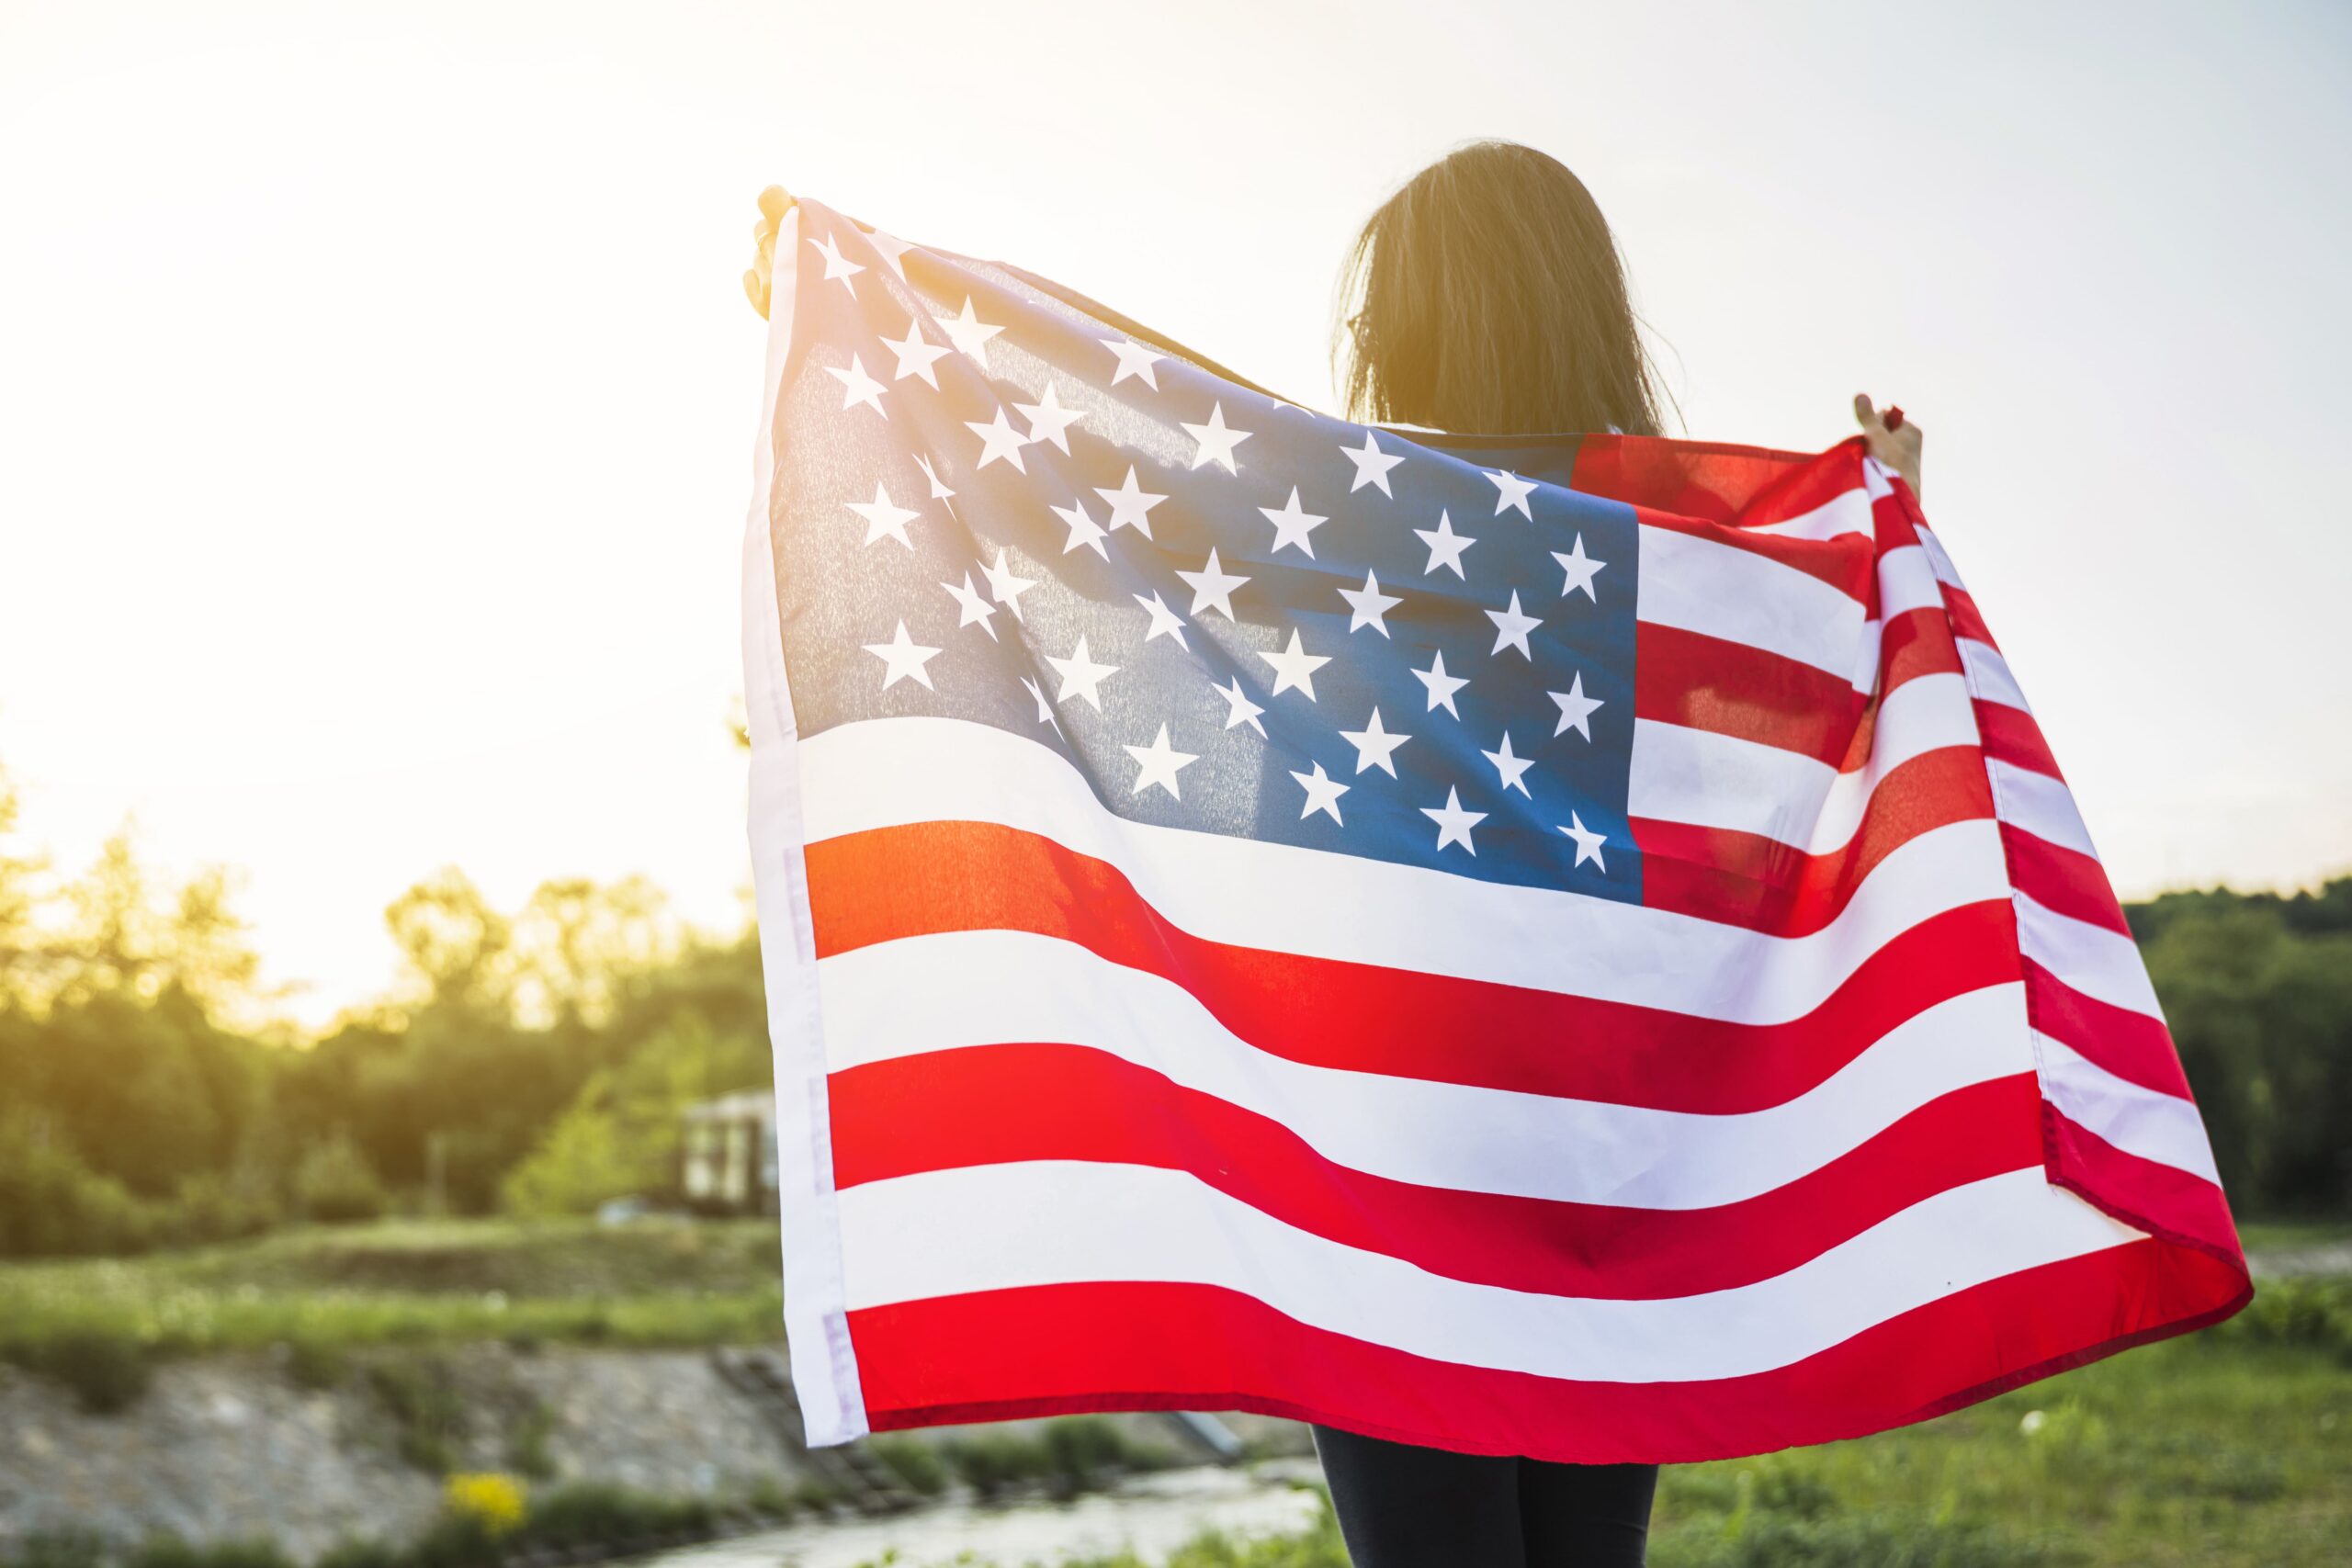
{"points": [[534, 1061]]}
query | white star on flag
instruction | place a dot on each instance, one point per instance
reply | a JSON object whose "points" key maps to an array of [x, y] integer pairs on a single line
{"points": [[1511, 493], [1048, 420], [1372, 465], [1239, 710], [1218, 440], [968, 333], [997, 439], [1080, 676], [857, 387], [1587, 843], [1044, 709], [1007, 588], [1511, 627], [1083, 530], [1445, 547], [1130, 504], [1369, 604], [837, 264], [1441, 686], [974, 609], [1134, 360], [1159, 763], [1453, 824], [893, 250], [938, 491], [1575, 707], [1294, 666], [1323, 794], [1293, 525], [882, 517], [1164, 621], [1579, 568], [1512, 768], [904, 659], [917, 354], [1213, 586], [1376, 747]]}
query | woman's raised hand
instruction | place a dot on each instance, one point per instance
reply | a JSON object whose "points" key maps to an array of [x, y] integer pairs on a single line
{"points": [[774, 202], [1893, 440]]}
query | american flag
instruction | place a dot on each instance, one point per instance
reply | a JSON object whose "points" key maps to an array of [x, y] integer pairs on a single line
{"points": [[1563, 946]]}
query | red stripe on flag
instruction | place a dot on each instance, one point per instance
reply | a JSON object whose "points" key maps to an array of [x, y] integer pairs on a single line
{"points": [[2012, 736], [998, 1104], [942, 876], [2133, 1046], [1848, 563], [1748, 879], [2065, 880], [1704, 682], [2164, 1199], [1916, 642], [1060, 1349], [1967, 620], [1721, 483]]}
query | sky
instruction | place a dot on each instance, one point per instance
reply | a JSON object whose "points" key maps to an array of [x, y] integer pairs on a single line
{"points": [[378, 393]]}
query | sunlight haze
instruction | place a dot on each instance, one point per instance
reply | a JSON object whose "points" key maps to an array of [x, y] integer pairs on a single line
{"points": [[376, 390]]}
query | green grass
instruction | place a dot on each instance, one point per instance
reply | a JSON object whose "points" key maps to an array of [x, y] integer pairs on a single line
{"points": [[2282, 1236], [411, 1282], [2220, 1452]]}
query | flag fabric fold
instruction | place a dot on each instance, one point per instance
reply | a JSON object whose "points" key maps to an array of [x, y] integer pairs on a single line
{"points": [[1567, 946]]}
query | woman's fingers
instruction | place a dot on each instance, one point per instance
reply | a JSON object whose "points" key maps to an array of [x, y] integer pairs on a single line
{"points": [[1893, 439], [774, 202]]}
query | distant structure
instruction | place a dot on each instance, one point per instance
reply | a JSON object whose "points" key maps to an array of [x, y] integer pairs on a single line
{"points": [[727, 1162]]}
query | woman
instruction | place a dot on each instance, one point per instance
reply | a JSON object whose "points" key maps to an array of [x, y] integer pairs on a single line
{"points": [[1488, 298]]}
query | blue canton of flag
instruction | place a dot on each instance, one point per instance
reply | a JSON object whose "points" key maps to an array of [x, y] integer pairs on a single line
{"points": [[1230, 613]]}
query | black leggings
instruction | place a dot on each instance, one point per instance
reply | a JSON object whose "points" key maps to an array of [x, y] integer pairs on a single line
{"points": [[1402, 1507]]}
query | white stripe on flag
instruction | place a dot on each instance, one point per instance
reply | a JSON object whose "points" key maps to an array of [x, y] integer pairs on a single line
{"points": [[1906, 581], [1988, 673], [1847, 513], [2155, 1127], [2103, 964], [2039, 805], [1709, 779], [998, 1227], [893, 771], [1719, 590], [923, 994]]}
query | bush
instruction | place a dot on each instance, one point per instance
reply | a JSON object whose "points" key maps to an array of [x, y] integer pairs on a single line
{"points": [[492, 1501], [992, 1463], [361, 1554], [914, 1462], [51, 1204], [60, 1549], [427, 1415], [333, 1184], [171, 1552], [315, 1364], [1772, 1540], [1070, 1456], [593, 1514], [208, 1208], [107, 1371], [2314, 1311]]}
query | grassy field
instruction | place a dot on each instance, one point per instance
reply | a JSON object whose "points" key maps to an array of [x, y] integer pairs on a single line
{"points": [[649, 1282], [2233, 1447], [2221, 1452]]}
